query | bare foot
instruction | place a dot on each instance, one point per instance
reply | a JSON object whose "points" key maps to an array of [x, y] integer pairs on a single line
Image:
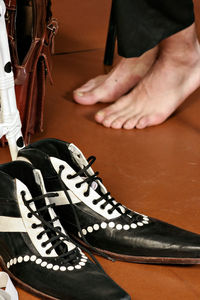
{"points": [[108, 88], [173, 77]]}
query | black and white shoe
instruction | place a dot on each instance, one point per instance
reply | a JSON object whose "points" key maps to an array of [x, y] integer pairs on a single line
{"points": [[90, 215], [34, 248]]}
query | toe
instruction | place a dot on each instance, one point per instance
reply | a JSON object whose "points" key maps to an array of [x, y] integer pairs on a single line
{"points": [[91, 92], [131, 123], [152, 120], [116, 109], [118, 122], [91, 84], [85, 98], [100, 115], [109, 120], [142, 123]]}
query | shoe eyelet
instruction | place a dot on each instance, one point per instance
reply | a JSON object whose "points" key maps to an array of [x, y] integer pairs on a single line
{"points": [[61, 167], [48, 252], [23, 193], [29, 215], [85, 194], [94, 202], [109, 212], [33, 226], [77, 185], [43, 245], [69, 176], [39, 237], [102, 206]]}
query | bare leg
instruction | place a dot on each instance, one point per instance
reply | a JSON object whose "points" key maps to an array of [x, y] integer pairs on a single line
{"points": [[108, 88], [173, 77]]}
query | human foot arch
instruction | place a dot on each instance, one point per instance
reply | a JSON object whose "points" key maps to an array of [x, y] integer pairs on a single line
{"points": [[108, 88]]}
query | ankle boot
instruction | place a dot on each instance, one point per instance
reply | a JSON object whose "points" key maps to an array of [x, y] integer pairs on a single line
{"points": [[94, 218], [35, 249]]}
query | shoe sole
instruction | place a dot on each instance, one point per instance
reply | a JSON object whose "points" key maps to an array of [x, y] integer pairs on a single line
{"points": [[142, 259], [25, 286]]}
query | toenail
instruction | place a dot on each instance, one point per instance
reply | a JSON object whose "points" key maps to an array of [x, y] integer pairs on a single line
{"points": [[106, 123], [100, 113], [79, 94]]}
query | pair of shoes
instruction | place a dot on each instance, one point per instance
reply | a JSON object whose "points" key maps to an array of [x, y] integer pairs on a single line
{"points": [[94, 218], [35, 249], [10, 292], [51, 191]]}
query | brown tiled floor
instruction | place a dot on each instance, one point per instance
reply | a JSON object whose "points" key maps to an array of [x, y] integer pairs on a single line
{"points": [[155, 171]]}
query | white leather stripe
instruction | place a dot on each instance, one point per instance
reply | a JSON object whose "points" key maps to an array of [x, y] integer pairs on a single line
{"points": [[29, 221], [11, 224], [61, 199], [33, 232]]}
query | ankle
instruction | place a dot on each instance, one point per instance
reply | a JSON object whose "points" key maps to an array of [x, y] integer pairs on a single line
{"points": [[188, 54]]}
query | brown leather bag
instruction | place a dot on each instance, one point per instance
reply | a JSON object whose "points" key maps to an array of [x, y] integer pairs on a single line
{"points": [[31, 30]]}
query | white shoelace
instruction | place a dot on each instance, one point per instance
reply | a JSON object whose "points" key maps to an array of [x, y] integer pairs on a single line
{"points": [[10, 293]]}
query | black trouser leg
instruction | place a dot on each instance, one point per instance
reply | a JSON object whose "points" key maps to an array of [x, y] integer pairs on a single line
{"points": [[142, 24]]}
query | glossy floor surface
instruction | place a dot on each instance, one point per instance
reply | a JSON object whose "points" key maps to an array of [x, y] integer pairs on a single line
{"points": [[155, 171]]}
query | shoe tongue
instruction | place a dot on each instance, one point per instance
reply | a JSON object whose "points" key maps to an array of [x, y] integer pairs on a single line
{"points": [[80, 162], [38, 179], [78, 159]]}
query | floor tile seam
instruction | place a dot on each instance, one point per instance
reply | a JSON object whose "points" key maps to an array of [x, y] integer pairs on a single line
{"points": [[77, 51]]}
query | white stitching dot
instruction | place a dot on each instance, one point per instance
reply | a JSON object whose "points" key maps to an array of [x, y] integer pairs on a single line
{"points": [[77, 267], [43, 264], [126, 227], [84, 231], [90, 229], [145, 222], [38, 261], [119, 227], [20, 259], [103, 225], [14, 261], [56, 268], [26, 258], [96, 227], [133, 225], [140, 224], [33, 258], [49, 266], [111, 224]]}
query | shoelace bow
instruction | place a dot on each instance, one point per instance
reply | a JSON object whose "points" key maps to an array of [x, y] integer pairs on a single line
{"points": [[107, 197], [67, 256]]}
